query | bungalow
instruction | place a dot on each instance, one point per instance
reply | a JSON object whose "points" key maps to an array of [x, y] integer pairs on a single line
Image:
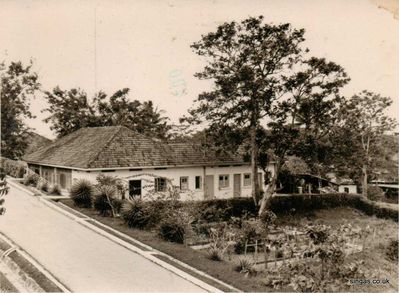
{"points": [[141, 162]]}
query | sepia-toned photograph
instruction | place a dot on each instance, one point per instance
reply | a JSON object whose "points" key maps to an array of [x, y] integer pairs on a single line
{"points": [[199, 146]]}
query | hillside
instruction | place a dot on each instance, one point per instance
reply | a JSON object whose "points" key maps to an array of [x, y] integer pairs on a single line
{"points": [[35, 141]]}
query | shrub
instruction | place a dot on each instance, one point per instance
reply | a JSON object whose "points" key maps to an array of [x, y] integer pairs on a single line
{"points": [[239, 246], [375, 193], [225, 209], [42, 184], [248, 233], [215, 254], [157, 210], [13, 168], [31, 179], [172, 229], [81, 193], [392, 250], [135, 213], [105, 201], [106, 180], [54, 189], [268, 218], [245, 266], [304, 203]]}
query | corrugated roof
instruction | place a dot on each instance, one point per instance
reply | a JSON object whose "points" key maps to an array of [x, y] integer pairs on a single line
{"points": [[120, 147]]}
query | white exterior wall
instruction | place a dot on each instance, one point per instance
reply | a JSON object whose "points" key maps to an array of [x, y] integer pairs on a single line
{"points": [[352, 188], [174, 174]]}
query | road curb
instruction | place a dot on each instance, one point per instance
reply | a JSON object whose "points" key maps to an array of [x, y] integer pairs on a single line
{"points": [[27, 258]]}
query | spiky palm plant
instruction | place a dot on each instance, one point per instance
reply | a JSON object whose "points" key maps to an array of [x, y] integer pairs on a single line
{"points": [[81, 193], [245, 266], [135, 214], [215, 253]]}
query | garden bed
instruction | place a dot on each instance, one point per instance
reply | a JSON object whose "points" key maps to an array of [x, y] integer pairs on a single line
{"points": [[220, 270], [373, 252]]}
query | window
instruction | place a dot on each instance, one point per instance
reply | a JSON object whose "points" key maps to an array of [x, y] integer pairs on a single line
{"points": [[223, 181], [247, 179], [62, 180], [346, 189], [135, 188], [198, 182], [183, 183], [160, 184]]}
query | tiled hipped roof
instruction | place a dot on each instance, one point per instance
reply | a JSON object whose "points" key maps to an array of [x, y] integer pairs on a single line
{"points": [[118, 146]]}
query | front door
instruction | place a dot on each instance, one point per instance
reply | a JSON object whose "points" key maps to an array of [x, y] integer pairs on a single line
{"points": [[135, 188], [237, 185], [209, 187]]}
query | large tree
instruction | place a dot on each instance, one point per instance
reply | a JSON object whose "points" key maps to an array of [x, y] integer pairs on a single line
{"points": [[259, 72], [18, 85], [72, 109], [360, 133], [245, 61], [304, 116]]}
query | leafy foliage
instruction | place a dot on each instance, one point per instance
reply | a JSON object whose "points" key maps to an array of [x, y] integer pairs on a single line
{"points": [[357, 138], [54, 189], [375, 193], [42, 184], [18, 84], [392, 250], [173, 229], [104, 200], [245, 266], [3, 189], [82, 192], [13, 168], [215, 253], [245, 61], [71, 110], [31, 178], [106, 180], [251, 64], [135, 213]]}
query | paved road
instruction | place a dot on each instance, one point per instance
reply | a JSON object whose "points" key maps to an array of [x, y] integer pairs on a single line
{"points": [[81, 259]]}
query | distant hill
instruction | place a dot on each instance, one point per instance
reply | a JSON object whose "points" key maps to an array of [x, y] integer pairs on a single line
{"points": [[35, 141]]}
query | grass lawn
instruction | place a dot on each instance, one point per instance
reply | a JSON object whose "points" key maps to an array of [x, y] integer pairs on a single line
{"points": [[373, 255]]}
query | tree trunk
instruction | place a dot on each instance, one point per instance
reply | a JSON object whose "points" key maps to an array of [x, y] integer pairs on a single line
{"points": [[267, 196], [364, 181], [111, 205], [254, 164], [271, 188]]}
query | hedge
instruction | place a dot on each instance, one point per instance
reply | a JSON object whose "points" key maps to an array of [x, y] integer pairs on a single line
{"points": [[224, 209], [13, 168]]}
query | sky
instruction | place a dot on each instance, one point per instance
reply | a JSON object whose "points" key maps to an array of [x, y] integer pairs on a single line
{"points": [[145, 45]]}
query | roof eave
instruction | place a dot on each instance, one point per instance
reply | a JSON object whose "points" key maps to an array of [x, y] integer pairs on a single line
{"points": [[217, 164]]}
